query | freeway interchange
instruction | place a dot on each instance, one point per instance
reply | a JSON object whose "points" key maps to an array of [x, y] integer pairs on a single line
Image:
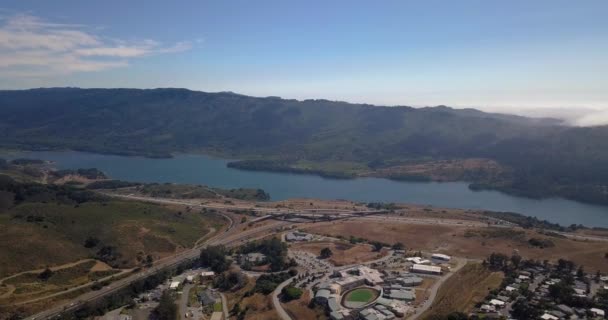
{"points": [[231, 237], [278, 219]]}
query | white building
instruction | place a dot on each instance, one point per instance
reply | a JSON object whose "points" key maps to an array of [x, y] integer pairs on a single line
{"points": [[253, 257], [418, 260], [442, 257], [298, 236], [350, 282], [497, 303], [174, 285], [598, 312], [487, 308], [548, 316], [420, 268]]}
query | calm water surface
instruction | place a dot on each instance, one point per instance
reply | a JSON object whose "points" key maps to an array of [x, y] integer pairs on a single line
{"points": [[199, 169]]}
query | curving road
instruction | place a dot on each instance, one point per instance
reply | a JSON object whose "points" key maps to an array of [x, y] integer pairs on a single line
{"points": [[231, 238], [277, 303]]}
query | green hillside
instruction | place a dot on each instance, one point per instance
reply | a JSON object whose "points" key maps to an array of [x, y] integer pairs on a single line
{"points": [[539, 157]]}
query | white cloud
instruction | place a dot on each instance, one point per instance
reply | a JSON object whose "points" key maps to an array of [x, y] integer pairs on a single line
{"points": [[32, 47], [597, 118], [119, 51]]}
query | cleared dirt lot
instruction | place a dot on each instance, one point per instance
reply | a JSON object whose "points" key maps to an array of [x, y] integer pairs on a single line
{"points": [[471, 242], [343, 253]]}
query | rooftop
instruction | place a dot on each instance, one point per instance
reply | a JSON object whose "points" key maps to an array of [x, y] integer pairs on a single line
{"points": [[425, 268]]}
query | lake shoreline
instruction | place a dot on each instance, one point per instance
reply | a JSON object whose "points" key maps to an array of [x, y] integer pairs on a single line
{"points": [[251, 163], [203, 169]]}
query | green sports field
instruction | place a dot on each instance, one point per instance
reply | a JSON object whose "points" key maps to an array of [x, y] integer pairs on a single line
{"points": [[364, 295]]}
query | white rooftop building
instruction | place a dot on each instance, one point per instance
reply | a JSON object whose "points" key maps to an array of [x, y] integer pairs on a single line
{"points": [[439, 256], [548, 316], [418, 260], [598, 312], [174, 285], [207, 274], [372, 276], [420, 268], [497, 303], [487, 308], [298, 236]]}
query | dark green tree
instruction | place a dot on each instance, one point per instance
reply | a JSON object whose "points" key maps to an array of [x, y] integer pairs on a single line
{"points": [[457, 316], [214, 257], [291, 293], [167, 308], [524, 311], [46, 274], [398, 246], [326, 253]]}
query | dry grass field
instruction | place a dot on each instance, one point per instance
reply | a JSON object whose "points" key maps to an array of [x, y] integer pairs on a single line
{"points": [[343, 253], [471, 242], [30, 308], [462, 290], [37, 235]]}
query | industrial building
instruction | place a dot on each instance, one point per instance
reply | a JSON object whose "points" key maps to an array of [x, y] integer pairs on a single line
{"points": [[420, 268], [418, 260], [298, 236], [442, 257]]}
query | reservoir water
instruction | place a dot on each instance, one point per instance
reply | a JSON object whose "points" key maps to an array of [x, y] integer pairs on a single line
{"points": [[200, 169]]}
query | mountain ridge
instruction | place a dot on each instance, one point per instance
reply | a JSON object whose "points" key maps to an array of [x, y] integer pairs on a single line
{"points": [[539, 157]]}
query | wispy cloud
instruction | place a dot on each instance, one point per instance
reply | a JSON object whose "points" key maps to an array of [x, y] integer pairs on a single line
{"points": [[598, 118], [33, 47]]}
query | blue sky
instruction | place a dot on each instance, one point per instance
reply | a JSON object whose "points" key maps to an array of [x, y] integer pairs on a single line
{"points": [[514, 56]]}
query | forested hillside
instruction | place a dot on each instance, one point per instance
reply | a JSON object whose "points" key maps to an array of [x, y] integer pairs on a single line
{"points": [[538, 157]]}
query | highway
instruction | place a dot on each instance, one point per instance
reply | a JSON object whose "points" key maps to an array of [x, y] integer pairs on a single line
{"points": [[228, 238], [231, 238], [267, 210]]}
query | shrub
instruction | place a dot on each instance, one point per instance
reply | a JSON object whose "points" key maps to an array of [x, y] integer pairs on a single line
{"points": [[291, 293]]}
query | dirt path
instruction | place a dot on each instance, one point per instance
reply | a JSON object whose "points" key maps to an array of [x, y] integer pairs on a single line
{"points": [[225, 306], [55, 268], [205, 237], [11, 289], [429, 302], [100, 266], [88, 284]]}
